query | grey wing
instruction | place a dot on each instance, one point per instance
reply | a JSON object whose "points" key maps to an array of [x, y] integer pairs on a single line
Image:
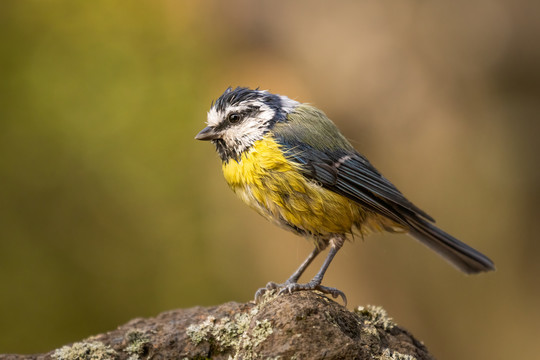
{"points": [[352, 175]]}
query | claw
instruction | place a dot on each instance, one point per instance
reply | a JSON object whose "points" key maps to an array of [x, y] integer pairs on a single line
{"points": [[332, 291], [259, 294], [287, 289]]}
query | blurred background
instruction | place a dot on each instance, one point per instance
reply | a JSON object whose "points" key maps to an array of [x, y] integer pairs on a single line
{"points": [[110, 210]]}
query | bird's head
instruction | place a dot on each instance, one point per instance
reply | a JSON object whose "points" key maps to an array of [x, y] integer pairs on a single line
{"points": [[242, 116]]}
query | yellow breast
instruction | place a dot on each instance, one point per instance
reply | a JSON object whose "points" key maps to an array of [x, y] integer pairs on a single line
{"points": [[274, 186]]}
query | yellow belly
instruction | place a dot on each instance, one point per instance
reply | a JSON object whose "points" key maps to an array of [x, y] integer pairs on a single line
{"points": [[274, 187]]}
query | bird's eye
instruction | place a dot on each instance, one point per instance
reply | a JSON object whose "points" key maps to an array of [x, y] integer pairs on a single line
{"points": [[234, 118]]}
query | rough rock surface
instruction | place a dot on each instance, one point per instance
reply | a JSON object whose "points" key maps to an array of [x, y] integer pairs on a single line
{"points": [[303, 325]]}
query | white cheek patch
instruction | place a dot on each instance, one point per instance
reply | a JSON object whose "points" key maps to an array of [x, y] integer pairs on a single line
{"points": [[241, 136], [245, 133]]}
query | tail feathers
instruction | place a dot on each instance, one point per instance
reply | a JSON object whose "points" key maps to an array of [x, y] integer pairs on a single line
{"points": [[459, 254]]}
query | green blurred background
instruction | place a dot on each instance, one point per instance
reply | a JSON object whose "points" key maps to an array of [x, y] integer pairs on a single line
{"points": [[110, 210]]}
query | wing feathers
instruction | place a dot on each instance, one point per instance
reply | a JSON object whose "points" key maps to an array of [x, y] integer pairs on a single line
{"points": [[360, 172], [331, 161], [366, 199], [325, 174], [353, 176]]}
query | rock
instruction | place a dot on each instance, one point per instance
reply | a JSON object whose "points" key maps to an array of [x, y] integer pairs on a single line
{"points": [[303, 325]]}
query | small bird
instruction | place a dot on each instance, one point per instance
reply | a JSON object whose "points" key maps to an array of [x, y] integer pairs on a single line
{"points": [[289, 162]]}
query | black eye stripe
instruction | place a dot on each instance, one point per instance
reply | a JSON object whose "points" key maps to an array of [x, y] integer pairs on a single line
{"points": [[251, 111], [244, 114]]}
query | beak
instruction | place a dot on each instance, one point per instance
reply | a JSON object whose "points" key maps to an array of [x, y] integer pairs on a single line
{"points": [[208, 133]]}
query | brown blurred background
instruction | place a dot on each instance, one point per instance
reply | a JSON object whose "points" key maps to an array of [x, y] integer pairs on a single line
{"points": [[110, 210]]}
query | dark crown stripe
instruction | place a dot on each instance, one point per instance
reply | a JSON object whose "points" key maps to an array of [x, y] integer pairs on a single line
{"points": [[234, 97]]}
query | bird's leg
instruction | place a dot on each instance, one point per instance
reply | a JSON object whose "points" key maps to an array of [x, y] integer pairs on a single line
{"points": [[294, 277], [315, 284], [291, 284]]}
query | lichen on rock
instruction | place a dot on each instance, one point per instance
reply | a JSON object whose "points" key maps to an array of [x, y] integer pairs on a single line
{"points": [[232, 334], [85, 351], [388, 354]]}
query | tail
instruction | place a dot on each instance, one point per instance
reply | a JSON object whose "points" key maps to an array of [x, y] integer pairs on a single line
{"points": [[459, 254]]}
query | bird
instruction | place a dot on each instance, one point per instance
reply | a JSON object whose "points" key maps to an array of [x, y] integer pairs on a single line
{"points": [[289, 162]]}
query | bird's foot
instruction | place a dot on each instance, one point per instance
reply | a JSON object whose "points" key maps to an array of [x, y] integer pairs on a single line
{"points": [[290, 287], [311, 286]]}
